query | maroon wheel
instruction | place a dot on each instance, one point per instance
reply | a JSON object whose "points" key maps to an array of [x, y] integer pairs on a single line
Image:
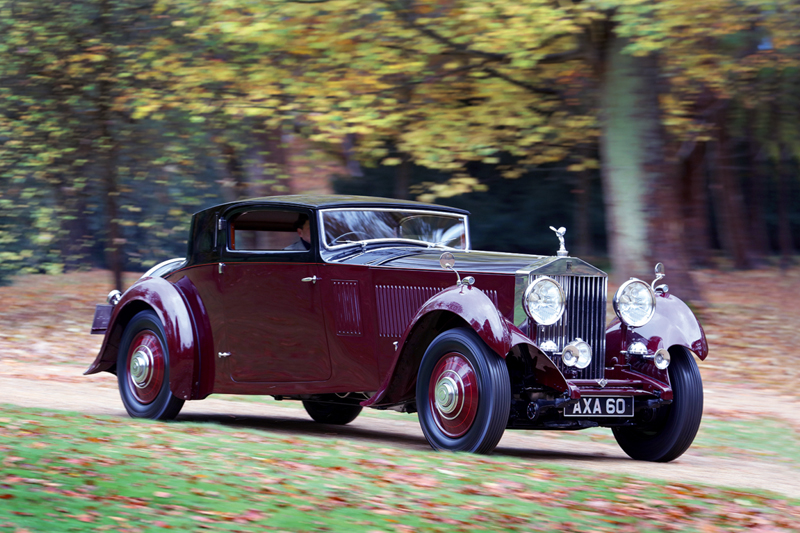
{"points": [[143, 370], [463, 393], [453, 394], [145, 366]]}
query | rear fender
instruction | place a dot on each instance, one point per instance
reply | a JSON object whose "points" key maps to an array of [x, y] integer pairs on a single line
{"points": [[673, 324], [456, 307], [169, 305]]}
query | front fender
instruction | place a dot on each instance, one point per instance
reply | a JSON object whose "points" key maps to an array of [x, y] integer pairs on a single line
{"points": [[673, 324], [449, 308], [168, 303]]}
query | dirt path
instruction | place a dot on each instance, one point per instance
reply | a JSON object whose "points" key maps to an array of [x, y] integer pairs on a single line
{"points": [[63, 387]]}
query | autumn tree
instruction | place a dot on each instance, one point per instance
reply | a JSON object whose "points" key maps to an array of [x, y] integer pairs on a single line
{"points": [[80, 175]]}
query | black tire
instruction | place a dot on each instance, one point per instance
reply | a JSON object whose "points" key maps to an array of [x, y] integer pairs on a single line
{"points": [[143, 370], [331, 412], [672, 428], [458, 370]]}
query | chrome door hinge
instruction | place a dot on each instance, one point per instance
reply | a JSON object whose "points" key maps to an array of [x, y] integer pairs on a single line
{"points": [[221, 267], [224, 354]]}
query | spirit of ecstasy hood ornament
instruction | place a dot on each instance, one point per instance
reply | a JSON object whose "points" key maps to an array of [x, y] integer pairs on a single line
{"points": [[562, 251]]}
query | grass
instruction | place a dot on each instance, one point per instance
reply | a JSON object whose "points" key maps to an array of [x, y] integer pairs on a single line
{"points": [[70, 472], [757, 439]]}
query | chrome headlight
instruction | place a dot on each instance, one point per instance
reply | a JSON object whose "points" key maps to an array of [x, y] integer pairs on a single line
{"points": [[544, 301], [635, 303]]}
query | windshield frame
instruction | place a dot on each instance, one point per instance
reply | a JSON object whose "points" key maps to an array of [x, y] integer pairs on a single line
{"points": [[458, 216]]}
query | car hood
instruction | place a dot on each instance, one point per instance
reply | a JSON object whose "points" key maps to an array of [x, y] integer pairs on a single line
{"points": [[428, 259]]}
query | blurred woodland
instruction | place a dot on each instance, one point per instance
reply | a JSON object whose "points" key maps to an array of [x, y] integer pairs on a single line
{"points": [[652, 129]]}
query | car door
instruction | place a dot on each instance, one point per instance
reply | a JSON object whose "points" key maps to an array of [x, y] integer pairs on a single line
{"points": [[274, 320]]}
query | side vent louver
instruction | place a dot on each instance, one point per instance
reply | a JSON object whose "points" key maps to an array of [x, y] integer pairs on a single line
{"points": [[398, 304]]}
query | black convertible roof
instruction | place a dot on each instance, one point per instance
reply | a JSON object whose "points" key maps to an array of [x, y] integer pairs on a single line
{"points": [[325, 201]]}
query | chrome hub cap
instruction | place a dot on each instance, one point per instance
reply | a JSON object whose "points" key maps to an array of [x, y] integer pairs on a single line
{"points": [[142, 367], [447, 394]]}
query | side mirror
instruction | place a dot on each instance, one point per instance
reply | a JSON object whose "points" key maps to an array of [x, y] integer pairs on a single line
{"points": [[448, 261], [659, 272]]}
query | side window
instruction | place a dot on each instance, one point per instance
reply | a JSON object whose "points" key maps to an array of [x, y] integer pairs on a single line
{"points": [[269, 231]]}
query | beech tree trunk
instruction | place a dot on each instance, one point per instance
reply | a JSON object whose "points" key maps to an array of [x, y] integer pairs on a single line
{"points": [[644, 212], [729, 203], [695, 207], [757, 193], [784, 225], [623, 145], [110, 150], [402, 178]]}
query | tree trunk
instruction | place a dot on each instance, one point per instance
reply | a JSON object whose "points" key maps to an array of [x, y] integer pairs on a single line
{"points": [[643, 206], [784, 224], [695, 202], [729, 204], [266, 166], [232, 187], [402, 179], [109, 146], [756, 179], [623, 147], [582, 215]]}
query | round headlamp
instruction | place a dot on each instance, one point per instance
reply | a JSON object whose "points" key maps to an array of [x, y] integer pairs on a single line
{"points": [[544, 301], [635, 303], [578, 353]]}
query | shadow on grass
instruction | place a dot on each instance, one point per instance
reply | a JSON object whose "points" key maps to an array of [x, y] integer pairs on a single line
{"points": [[307, 428]]}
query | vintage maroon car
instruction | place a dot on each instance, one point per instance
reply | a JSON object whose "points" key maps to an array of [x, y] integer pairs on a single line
{"points": [[351, 302]]}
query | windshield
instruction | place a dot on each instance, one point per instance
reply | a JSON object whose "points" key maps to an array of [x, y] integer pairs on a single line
{"points": [[344, 226]]}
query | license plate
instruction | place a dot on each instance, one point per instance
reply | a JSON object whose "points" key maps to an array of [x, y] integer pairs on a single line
{"points": [[601, 406], [102, 316]]}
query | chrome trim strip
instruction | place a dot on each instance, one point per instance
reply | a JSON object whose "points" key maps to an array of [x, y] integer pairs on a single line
{"points": [[463, 218]]}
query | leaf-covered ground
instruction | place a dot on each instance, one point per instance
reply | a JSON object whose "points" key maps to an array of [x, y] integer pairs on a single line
{"points": [[69, 472]]}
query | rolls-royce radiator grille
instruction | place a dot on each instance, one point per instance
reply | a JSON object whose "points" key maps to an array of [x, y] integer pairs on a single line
{"points": [[584, 317]]}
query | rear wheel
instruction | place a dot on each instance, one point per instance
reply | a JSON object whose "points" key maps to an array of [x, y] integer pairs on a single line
{"points": [[671, 429], [463, 393], [331, 412], [143, 370]]}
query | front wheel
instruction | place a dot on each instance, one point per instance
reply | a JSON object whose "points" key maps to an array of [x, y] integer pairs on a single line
{"points": [[143, 370], [671, 429], [463, 393]]}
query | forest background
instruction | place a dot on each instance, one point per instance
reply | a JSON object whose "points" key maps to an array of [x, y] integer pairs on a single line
{"points": [[652, 129]]}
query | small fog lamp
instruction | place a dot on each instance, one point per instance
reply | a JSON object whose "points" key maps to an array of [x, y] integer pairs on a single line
{"points": [[661, 359], [578, 353]]}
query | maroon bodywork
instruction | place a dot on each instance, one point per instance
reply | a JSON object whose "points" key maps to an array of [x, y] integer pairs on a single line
{"points": [[315, 324]]}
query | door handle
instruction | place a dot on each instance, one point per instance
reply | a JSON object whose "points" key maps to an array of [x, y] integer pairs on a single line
{"points": [[312, 279]]}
